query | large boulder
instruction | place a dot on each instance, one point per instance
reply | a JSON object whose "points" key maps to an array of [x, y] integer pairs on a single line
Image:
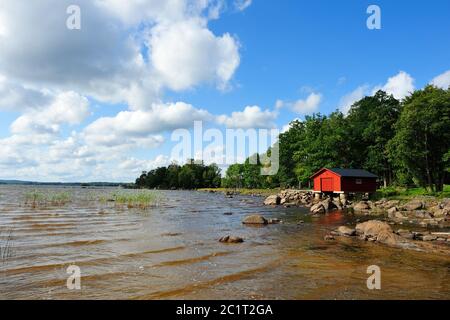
{"points": [[361, 206], [379, 231], [372, 228], [413, 205], [273, 200], [255, 219]]}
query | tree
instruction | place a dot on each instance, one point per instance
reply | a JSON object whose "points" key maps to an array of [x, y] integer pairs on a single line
{"points": [[422, 141], [371, 124]]}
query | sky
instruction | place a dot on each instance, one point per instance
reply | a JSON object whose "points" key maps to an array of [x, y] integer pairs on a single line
{"points": [[102, 100]]}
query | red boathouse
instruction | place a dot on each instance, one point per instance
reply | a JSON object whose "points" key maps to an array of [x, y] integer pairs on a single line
{"points": [[344, 181]]}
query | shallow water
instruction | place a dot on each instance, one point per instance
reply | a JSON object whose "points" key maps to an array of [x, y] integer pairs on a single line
{"points": [[171, 252]]}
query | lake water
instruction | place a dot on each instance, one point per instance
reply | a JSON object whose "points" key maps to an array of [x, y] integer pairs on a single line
{"points": [[172, 252]]}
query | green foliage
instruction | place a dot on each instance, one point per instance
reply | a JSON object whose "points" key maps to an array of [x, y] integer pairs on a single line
{"points": [[421, 144], [136, 199], [190, 176]]}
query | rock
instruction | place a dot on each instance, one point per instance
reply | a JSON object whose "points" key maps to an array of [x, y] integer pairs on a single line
{"points": [[273, 200], [413, 205], [329, 237], [392, 211], [406, 234], [429, 237], [390, 204], [372, 228], [337, 204], [361, 206], [389, 238], [228, 214], [346, 231], [327, 204], [318, 208], [422, 214], [438, 213], [229, 239], [255, 219]]}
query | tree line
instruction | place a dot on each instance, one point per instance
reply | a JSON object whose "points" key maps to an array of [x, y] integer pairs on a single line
{"points": [[404, 142], [192, 175]]}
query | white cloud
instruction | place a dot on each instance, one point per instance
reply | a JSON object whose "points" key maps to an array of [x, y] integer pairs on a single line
{"points": [[241, 5], [16, 97], [139, 127], [187, 53], [442, 81], [251, 117], [67, 107], [125, 53], [309, 105], [400, 85]]}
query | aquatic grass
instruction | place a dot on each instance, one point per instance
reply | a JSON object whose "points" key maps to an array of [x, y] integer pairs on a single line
{"points": [[138, 199], [37, 198]]}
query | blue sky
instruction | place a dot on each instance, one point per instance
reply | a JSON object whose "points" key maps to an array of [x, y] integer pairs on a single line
{"points": [[280, 59]]}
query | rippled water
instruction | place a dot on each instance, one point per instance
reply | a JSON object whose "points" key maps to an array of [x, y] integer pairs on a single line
{"points": [[172, 252]]}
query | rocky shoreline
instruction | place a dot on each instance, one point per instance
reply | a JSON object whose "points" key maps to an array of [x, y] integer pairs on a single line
{"points": [[426, 213]]}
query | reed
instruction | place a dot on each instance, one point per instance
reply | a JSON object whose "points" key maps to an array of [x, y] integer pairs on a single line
{"points": [[137, 199], [37, 198]]}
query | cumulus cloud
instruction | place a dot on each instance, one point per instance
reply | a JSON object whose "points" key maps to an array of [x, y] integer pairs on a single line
{"points": [[442, 81], [126, 54], [186, 53], [16, 97], [251, 117], [67, 107], [400, 85], [139, 127], [308, 105]]}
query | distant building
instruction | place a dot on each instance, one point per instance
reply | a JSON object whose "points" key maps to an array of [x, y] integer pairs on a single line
{"points": [[344, 181]]}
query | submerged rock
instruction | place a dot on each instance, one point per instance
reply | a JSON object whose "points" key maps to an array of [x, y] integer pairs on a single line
{"points": [[255, 219], [230, 239]]}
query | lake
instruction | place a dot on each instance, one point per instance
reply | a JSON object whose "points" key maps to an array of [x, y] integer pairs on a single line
{"points": [[171, 251]]}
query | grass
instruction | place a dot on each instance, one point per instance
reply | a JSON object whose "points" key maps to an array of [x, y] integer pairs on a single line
{"points": [[37, 198], [138, 199], [399, 193]]}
